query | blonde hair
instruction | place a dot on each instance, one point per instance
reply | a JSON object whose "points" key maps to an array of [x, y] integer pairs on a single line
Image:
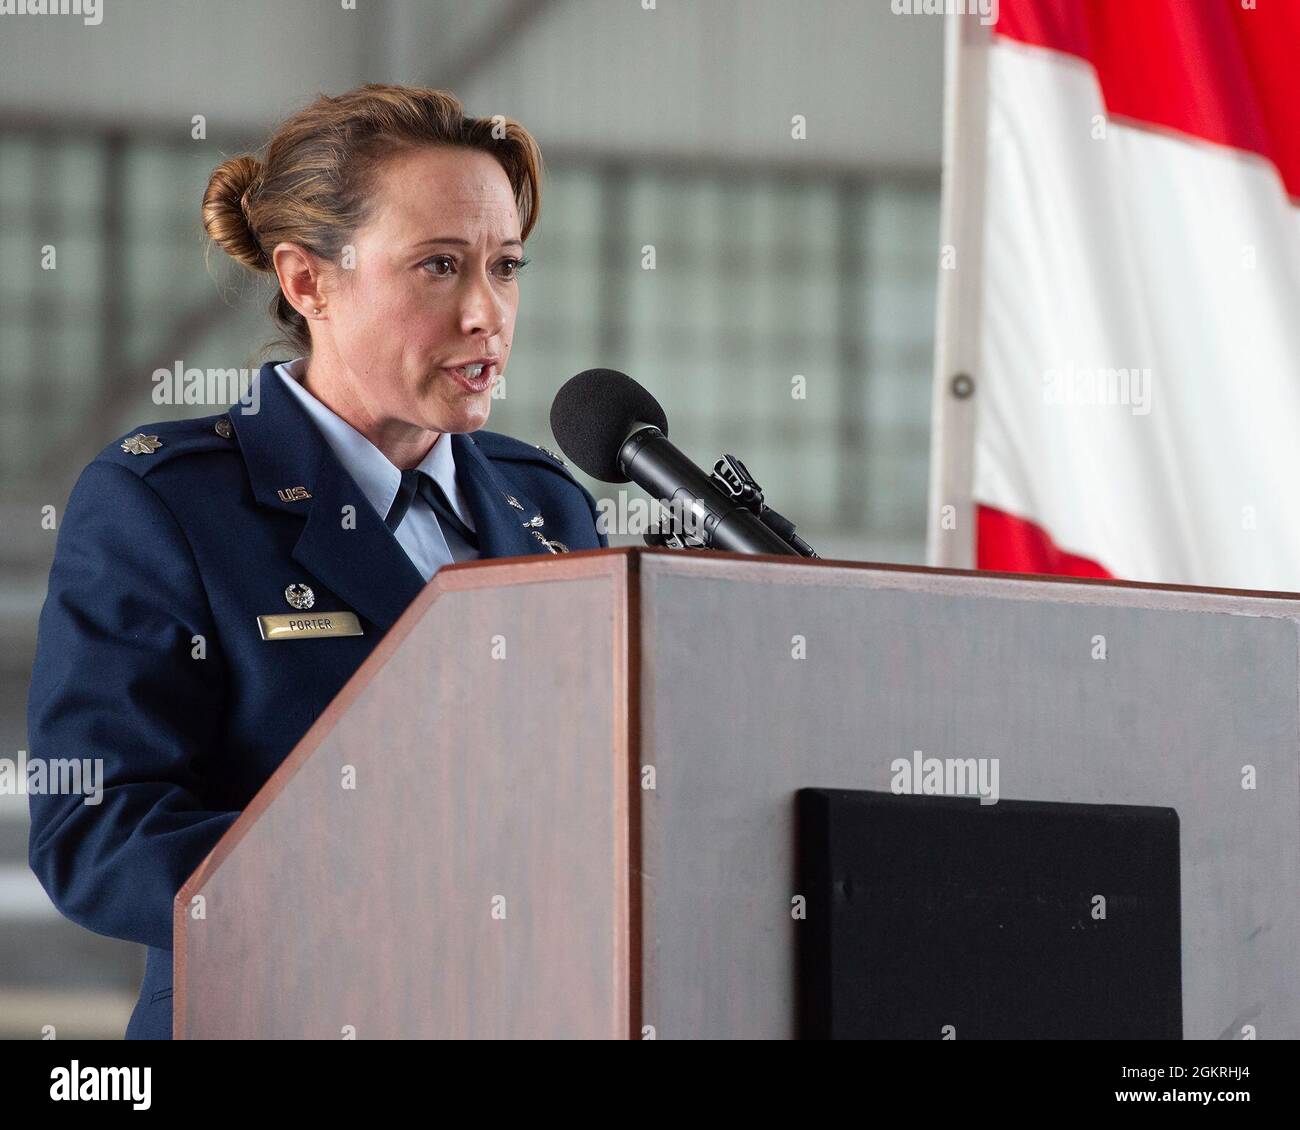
{"points": [[314, 186]]}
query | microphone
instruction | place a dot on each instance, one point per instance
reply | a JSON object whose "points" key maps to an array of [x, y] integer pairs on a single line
{"points": [[613, 429]]}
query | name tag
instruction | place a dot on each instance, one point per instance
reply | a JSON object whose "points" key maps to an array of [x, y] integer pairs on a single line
{"points": [[304, 626]]}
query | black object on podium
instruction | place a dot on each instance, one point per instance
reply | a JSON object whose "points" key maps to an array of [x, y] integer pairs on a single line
{"points": [[933, 917]]}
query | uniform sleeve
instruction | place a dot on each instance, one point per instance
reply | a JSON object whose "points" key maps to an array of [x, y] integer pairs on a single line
{"points": [[115, 682]]}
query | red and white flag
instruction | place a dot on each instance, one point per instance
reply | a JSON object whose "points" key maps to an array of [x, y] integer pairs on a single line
{"points": [[1118, 383]]}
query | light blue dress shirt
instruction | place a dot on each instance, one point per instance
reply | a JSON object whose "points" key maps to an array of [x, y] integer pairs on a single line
{"points": [[427, 544]]}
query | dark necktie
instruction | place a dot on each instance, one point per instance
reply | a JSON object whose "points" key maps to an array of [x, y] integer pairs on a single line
{"points": [[402, 503], [416, 480]]}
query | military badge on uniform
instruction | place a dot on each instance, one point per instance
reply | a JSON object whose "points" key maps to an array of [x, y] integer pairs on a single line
{"points": [[293, 494], [288, 626], [299, 595], [550, 543], [141, 444], [223, 428], [547, 451], [510, 498]]}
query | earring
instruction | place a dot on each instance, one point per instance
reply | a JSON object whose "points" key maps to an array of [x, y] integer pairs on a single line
{"points": [[315, 310]]}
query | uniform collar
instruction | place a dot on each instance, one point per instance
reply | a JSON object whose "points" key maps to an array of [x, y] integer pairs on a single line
{"points": [[369, 467], [293, 468]]}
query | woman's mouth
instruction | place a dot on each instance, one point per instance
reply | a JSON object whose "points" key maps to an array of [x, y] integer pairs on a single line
{"points": [[475, 378]]}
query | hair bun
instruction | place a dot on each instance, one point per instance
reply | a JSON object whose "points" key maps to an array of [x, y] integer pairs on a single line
{"points": [[226, 210]]}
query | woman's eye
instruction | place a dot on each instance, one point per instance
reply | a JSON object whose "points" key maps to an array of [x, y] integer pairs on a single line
{"points": [[508, 268]]}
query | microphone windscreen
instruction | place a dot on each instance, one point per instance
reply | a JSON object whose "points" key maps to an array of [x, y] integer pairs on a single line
{"points": [[592, 415]]}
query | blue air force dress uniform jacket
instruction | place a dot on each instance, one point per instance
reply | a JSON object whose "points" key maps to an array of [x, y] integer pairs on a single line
{"points": [[149, 654]]}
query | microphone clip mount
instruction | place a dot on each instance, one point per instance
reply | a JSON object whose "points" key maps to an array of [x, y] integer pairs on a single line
{"points": [[732, 477]]}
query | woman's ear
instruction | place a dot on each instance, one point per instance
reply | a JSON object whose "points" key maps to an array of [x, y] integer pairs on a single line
{"points": [[299, 272]]}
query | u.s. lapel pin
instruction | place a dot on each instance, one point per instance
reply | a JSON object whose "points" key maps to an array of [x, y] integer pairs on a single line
{"points": [[293, 494]]}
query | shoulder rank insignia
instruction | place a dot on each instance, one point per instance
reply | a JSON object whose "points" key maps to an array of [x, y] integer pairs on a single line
{"points": [[141, 444], [546, 451]]}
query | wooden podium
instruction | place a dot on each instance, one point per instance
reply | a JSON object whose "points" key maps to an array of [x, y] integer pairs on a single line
{"points": [[557, 800]]}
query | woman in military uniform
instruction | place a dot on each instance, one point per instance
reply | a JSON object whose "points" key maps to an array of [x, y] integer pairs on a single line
{"points": [[217, 580]]}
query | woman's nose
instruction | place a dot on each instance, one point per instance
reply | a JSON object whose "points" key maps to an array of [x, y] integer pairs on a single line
{"points": [[482, 310]]}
